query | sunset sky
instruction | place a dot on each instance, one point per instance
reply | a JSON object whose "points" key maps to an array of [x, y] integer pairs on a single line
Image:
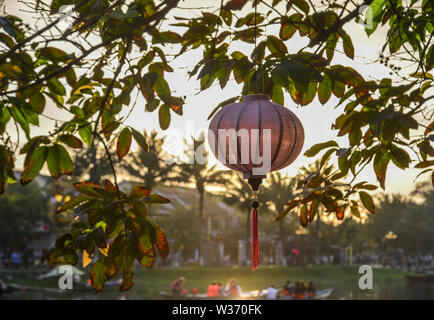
{"points": [[316, 118]]}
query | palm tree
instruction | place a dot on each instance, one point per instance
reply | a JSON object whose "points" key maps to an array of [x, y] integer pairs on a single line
{"points": [[92, 162], [200, 174], [305, 174], [278, 192], [239, 195], [149, 166]]}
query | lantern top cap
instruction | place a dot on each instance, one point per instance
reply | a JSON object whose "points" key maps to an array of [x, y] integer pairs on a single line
{"points": [[254, 97]]}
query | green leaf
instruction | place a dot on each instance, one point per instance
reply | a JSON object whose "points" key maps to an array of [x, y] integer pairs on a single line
{"points": [[161, 87], [123, 143], [227, 16], [34, 165], [376, 8], [338, 89], [71, 141], [56, 87], [287, 30], [87, 188], [312, 151], [72, 204], [59, 161], [303, 216], [344, 164], [277, 94], [97, 274], [167, 37], [355, 211], [313, 208], [301, 4], [424, 164], [381, 161], [37, 101], [367, 201], [325, 89], [164, 116], [19, 117], [54, 54], [331, 42], [127, 280], [85, 132], [140, 139], [275, 45], [155, 198], [400, 158], [347, 44]]}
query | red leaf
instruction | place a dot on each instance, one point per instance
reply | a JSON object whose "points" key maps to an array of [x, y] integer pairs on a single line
{"points": [[140, 192], [340, 212], [109, 186], [162, 245], [87, 188], [235, 4]]}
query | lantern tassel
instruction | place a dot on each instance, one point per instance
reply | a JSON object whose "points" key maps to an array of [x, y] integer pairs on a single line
{"points": [[255, 241]]}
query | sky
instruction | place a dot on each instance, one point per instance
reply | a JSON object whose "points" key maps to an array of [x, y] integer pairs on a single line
{"points": [[316, 118]]}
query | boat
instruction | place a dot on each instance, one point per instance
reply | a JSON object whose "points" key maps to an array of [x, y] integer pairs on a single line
{"points": [[319, 295], [422, 277], [248, 295]]}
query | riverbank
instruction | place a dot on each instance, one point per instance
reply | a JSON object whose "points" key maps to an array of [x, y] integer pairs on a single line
{"points": [[150, 282]]}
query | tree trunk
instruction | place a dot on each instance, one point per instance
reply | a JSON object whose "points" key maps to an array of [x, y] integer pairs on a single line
{"points": [[201, 195], [280, 243], [317, 234], [248, 233]]}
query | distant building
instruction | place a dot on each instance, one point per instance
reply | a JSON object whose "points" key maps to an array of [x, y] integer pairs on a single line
{"points": [[218, 217]]}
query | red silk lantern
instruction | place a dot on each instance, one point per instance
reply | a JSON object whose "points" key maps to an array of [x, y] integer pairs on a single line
{"points": [[255, 136]]}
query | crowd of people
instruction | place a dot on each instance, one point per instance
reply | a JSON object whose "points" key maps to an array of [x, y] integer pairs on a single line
{"points": [[299, 290], [215, 289]]}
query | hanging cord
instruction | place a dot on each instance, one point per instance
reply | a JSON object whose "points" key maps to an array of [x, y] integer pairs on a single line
{"points": [[255, 240], [254, 183]]}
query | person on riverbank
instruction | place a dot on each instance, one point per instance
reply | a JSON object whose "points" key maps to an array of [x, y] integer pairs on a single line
{"points": [[300, 290], [213, 290], [288, 289], [232, 288], [221, 291], [177, 287], [272, 292], [311, 292]]}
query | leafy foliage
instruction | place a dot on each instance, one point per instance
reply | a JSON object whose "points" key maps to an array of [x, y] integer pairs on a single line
{"points": [[381, 118], [122, 225]]}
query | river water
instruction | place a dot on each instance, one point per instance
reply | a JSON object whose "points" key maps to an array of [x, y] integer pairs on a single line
{"points": [[386, 290]]}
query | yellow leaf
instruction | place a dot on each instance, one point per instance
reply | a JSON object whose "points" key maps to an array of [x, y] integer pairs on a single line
{"points": [[86, 259], [104, 251]]}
